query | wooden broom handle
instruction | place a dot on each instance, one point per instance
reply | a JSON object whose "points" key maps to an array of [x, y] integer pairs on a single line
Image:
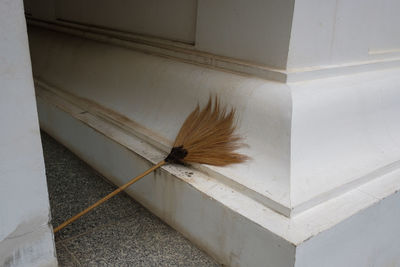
{"points": [[121, 188]]}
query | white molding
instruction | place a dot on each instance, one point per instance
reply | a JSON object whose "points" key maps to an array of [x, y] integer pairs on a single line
{"points": [[299, 160], [394, 51], [88, 117], [231, 227], [187, 53], [81, 108], [160, 47], [321, 72]]}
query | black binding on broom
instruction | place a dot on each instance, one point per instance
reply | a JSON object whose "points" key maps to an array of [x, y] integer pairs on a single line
{"points": [[176, 155]]}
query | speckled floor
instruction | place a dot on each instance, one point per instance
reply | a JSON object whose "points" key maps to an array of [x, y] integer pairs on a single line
{"points": [[118, 233]]}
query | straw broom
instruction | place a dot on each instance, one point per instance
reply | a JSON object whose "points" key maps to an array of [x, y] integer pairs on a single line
{"points": [[207, 136]]}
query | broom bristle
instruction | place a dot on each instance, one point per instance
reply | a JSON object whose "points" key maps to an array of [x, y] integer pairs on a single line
{"points": [[208, 136]]}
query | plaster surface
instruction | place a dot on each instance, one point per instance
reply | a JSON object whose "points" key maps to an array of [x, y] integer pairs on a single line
{"points": [[132, 81], [317, 144], [256, 31], [299, 159], [345, 131], [173, 20], [62, 119], [290, 41], [191, 203], [323, 32], [217, 27], [25, 236], [230, 226], [369, 239]]}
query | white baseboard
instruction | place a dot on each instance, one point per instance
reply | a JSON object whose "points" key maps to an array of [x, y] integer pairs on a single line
{"points": [[233, 228]]}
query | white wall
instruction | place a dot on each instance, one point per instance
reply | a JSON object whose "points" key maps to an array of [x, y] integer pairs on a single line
{"points": [[343, 31], [278, 34], [127, 82], [252, 30], [345, 132], [26, 238], [256, 31], [300, 158], [369, 238], [173, 19]]}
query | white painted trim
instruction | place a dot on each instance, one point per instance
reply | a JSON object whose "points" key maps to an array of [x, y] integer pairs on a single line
{"points": [[320, 72], [187, 53], [82, 108], [73, 126], [300, 159], [395, 51], [161, 47]]}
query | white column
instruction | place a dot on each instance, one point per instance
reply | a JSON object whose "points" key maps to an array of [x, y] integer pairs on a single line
{"points": [[26, 238]]}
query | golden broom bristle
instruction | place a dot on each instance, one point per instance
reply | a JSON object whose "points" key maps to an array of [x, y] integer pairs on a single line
{"points": [[208, 136]]}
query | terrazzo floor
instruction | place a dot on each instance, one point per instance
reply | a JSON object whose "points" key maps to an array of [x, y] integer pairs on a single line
{"points": [[118, 233]]}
